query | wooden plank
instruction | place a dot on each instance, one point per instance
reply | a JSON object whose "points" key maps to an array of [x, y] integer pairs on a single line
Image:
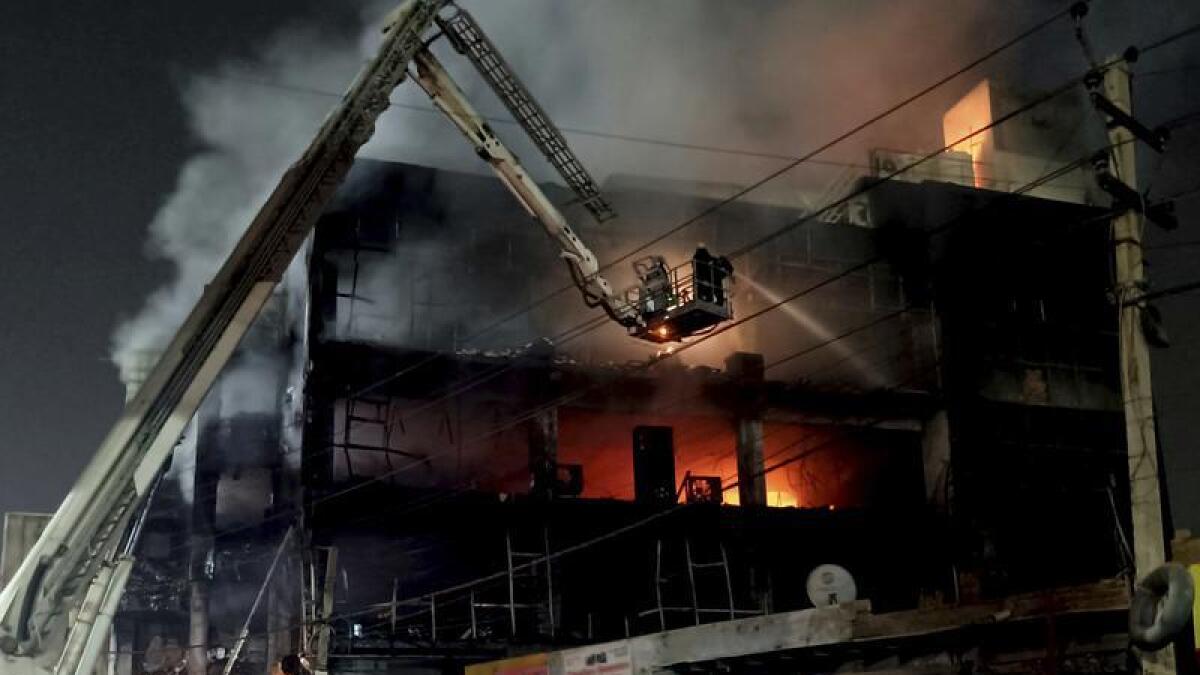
{"points": [[1101, 597], [850, 624], [743, 637]]}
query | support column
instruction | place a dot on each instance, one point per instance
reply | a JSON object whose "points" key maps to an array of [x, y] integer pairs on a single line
{"points": [[935, 458], [323, 636], [204, 512], [282, 613], [543, 453], [752, 482], [746, 371]]}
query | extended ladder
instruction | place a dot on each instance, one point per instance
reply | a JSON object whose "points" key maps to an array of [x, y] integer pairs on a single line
{"points": [[468, 39]]}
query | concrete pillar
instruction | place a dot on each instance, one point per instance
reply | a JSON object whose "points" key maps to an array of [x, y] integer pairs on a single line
{"points": [[539, 388], [203, 522], [752, 482], [543, 453], [935, 458], [283, 614], [749, 401], [197, 660], [323, 632]]}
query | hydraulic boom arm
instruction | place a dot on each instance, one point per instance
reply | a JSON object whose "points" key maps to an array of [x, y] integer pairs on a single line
{"points": [[585, 269], [55, 610]]}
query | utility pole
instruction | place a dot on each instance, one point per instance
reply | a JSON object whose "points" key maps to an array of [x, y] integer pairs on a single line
{"points": [[1145, 496]]}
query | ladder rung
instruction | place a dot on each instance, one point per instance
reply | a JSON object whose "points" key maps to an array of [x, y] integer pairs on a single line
{"points": [[524, 109]]}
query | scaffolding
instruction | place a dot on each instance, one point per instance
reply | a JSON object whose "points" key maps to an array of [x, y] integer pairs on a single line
{"points": [[708, 594]]}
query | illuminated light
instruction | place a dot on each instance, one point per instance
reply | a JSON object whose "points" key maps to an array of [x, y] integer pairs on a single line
{"points": [[832, 507], [662, 330]]}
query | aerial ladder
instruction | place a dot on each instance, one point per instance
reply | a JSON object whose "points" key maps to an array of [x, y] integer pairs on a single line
{"points": [[56, 612]]}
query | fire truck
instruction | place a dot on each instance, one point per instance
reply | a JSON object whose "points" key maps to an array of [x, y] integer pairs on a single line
{"points": [[56, 613]]}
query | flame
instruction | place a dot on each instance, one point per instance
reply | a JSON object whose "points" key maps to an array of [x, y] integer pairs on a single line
{"points": [[972, 113]]}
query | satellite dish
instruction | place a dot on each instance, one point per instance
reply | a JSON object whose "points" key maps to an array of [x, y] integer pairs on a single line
{"points": [[830, 585]]}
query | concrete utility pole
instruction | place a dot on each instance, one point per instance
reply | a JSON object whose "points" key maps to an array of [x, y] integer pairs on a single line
{"points": [[1145, 496]]}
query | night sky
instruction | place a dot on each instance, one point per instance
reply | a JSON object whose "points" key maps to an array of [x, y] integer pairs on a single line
{"points": [[93, 134]]}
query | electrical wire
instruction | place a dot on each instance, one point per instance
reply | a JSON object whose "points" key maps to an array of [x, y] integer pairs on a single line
{"points": [[654, 517], [810, 217], [593, 324], [622, 530], [843, 274], [764, 180], [822, 284], [942, 228], [596, 322]]}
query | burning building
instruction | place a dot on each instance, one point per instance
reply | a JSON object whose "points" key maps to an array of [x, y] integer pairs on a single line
{"points": [[921, 389]]}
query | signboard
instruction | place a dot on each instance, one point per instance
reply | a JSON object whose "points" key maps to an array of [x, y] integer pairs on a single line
{"points": [[612, 658], [532, 664]]}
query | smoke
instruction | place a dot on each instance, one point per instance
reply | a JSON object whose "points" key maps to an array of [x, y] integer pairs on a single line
{"points": [[774, 75], [249, 135]]}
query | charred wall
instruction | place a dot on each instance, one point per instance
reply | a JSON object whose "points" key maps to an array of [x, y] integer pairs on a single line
{"points": [[1032, 390]]}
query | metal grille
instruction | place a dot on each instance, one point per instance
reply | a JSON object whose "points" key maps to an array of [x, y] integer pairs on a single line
{"points": [[468, 39]]}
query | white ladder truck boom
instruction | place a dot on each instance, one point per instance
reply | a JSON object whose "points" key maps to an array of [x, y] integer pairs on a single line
{"points": [[57, 610], [668, 304], [585, 269]]}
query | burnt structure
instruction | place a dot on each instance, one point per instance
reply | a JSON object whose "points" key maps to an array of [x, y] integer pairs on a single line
{"points": [[1030, 381], [943, 422]]}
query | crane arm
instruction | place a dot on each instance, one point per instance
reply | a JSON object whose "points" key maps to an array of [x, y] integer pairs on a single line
{"points": [[79, 564], [445, 94]]}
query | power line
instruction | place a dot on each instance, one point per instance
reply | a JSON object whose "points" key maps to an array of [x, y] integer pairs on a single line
{"points": [[762, 181], [567, 398], [594, 323], [1186, 68], [846, 272], [465, 485], [942, 228], [1173, 37], [1166, 292], [570, 130], [938, 230], [730, 327]]}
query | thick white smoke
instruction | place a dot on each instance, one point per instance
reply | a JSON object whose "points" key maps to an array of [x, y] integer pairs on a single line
{"points": [[770, 75], [250, 133]]}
